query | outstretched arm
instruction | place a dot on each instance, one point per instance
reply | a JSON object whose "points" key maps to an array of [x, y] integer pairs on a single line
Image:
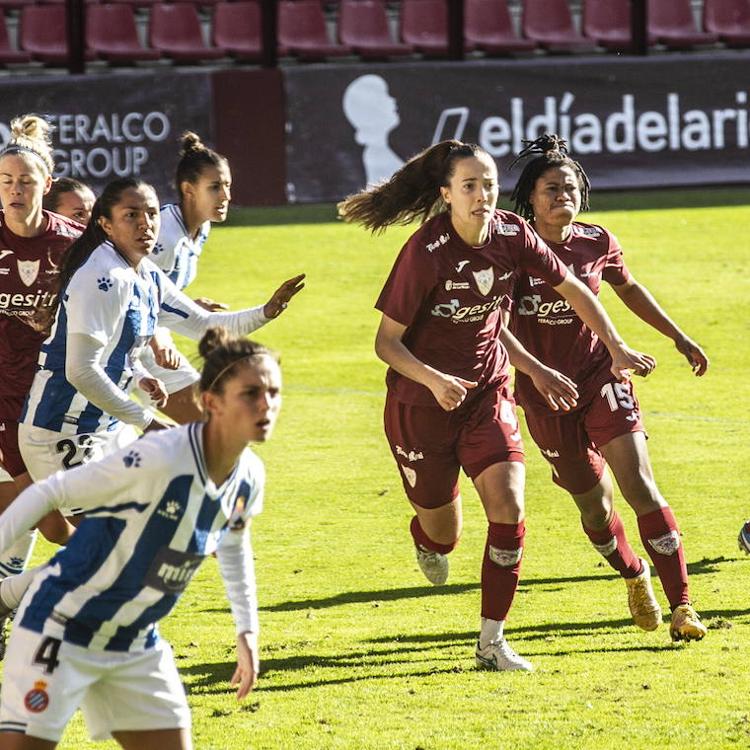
{"points": [[639, 300], [591, 312], [449, 391]]}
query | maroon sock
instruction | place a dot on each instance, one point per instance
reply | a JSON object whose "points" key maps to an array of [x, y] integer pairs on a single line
{"points": [[420, 538], [501, 566], [613, 545], [661, 538]]}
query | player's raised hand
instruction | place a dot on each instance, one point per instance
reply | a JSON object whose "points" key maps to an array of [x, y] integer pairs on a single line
{"points": [[248, 664], [450, 391], [626, 360], [280, 298], [559, 391], [693, 354]]}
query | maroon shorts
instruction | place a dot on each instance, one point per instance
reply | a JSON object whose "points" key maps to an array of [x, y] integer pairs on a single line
{"points": [[431, 445], [570, 441], [10, 455]]}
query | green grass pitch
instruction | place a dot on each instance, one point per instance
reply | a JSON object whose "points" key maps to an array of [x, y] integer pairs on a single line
{"points": [[358, 651]]}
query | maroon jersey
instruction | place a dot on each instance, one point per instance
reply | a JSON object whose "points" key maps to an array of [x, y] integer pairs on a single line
{"points": [[28, 266], [550, 329], [449, 296]]}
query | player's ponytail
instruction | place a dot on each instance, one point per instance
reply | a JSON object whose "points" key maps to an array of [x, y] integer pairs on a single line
{"points": [[412, 193], [546, 152], [221, 352], [194, 158], [30, 134]]}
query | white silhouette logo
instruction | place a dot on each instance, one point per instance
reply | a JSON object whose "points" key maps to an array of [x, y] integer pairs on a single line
{"points": [[460, 265], [485, 279], [373, 114]]}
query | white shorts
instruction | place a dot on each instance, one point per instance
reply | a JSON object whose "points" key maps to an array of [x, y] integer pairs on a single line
{"points": [[174, 380], [45, 451], [45, 680]]}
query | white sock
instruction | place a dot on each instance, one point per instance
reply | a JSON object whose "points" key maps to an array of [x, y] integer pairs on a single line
{"points": [[17, 555], [14, 587], [491, 632]]}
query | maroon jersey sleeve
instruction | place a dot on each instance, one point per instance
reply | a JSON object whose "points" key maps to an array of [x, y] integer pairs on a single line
{"points": [[409, 284], [615, 271], [538, 260]]}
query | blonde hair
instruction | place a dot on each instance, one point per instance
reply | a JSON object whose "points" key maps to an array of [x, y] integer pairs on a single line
{"points": [[30, 134]]}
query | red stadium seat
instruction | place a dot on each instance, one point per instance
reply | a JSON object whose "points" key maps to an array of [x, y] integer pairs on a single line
{"points": [[237, 29], [7, 53], [136, 3], [111, 34], [730, 19], [15, 4], [671, 23], [302, 31], [488, 27], [424, 25], [43, 33], [175, 30], [607, 22], [363, 26], [550, 24]]}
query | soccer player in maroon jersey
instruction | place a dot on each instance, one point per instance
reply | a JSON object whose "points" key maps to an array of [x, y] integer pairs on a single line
{"points": [[604, 426], [32, 242], [449, 405]]}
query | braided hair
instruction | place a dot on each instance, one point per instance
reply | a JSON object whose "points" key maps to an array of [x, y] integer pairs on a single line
{"points": [[546, 152]]}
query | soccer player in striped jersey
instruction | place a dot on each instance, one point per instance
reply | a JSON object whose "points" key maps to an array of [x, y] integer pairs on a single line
{"points": [[86, 632], [32, 244], [112, 297], [448, 404], [203, 182], [70, 198], [604, 425]]}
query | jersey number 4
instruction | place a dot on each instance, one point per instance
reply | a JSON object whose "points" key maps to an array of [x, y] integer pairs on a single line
{"points": [[47, 654]]}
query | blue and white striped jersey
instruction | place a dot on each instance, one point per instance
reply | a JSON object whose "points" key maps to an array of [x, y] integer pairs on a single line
{"points": [[152, 515], [176, 252], [118, 306]]}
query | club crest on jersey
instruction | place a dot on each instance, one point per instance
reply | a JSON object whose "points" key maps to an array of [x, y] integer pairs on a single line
{"points": [[28, 270], [508, 230], [410, 474], [485, 279], [37, 699]]}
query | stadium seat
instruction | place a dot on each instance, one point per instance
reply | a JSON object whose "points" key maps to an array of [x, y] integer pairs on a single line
{"points": [[607, 23], [489, 28], [424, 26], [729, 19], [363, 26], [237, 29], [175, 30], [43, 33], [302, 31], [111, 34], [550, 24], [8, 55], [6, 5], [136, 3], [671, 23]]}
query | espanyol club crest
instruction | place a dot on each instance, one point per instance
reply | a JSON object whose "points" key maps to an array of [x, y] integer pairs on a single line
{"points": [[28, 270], [37, 699], [485, 279]]}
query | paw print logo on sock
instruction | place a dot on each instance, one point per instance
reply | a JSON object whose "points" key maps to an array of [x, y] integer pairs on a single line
{"points": [[104, 284], [132, 459]]}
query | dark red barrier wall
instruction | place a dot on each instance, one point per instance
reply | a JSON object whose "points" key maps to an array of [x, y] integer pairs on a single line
{"points": [[248, 128]]}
